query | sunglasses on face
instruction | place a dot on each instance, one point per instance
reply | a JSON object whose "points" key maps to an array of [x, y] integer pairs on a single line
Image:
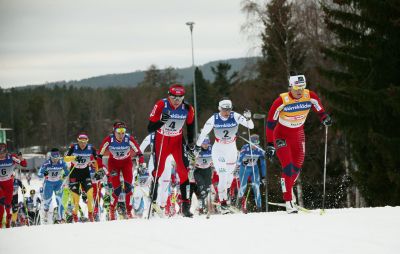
{"points": [[82, 140], [226, 109], [176, 97], [297, 88], [55, 156], [120, 130]]}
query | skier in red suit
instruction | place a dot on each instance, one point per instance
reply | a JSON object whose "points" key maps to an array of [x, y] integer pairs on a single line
{"points": [[120, 145], [285, 132], [8, 162], [167, 119]]}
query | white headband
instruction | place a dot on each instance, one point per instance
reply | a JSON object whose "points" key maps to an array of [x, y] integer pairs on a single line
{"points": [[225, 104], [299, 80]]}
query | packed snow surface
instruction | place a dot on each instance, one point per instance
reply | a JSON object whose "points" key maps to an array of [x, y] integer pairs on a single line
{"points": [[365, 230]]}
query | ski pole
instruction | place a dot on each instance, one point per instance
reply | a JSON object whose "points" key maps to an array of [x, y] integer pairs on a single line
{"points": [[251, 154], [67, 177], [247, 197], [158, 164], [26, 209], [240, 185], [237, 187], [251, 143], [325, 155], [36, 214], [97, 199]]}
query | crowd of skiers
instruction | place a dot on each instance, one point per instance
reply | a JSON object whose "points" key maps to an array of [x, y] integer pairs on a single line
{"points": [[114, 182]]}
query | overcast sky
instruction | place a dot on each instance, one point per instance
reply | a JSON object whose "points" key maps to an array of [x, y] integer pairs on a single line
{"points": [[51, 40]]}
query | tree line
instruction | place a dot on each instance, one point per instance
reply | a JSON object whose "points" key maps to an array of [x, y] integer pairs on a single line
{"points": [[348, 51]]}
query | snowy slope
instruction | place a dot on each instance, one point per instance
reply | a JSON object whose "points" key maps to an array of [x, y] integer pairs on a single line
{"points": [[368, 230]]}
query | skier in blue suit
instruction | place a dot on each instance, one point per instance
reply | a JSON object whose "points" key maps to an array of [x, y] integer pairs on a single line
{"points": [[53, 170], [248, 158]]}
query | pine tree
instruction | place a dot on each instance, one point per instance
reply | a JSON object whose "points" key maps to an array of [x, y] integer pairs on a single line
{"points": [[152, 77], [223, 81], [202, 91], [282, 48], [366, 97]]}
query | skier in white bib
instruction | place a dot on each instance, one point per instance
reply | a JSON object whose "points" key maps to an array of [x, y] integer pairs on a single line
{"points": [[224, 151]]}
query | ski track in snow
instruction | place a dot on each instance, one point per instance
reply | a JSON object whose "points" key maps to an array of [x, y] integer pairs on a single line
{"points": [[362, 230]]}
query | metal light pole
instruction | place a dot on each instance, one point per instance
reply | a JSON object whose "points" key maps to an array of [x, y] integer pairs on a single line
{"points": [[191, 24], [14, 144], [262, 117]]}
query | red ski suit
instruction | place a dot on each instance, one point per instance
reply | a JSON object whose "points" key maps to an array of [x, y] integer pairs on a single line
{"points": [[7, 166], [169, 138], [120, 161], [285, 122]]}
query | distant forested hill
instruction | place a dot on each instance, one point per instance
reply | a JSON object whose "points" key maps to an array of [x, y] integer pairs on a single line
{"points": [[132, 79]]}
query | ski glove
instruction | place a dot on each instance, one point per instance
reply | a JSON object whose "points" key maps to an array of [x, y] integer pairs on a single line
{"points": [[263, 181], [191, 146], [99, 174], [327, 121], [46, 173], [247, 114], [270, 151], [23, 190], [165, 117], [197, 149], [190, 154], [78, 159]]}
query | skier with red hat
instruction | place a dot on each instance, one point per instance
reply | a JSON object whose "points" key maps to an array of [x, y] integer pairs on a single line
{"points": [[122, 147], [167, 119]]}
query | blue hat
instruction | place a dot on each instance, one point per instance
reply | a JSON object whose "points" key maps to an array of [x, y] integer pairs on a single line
{"points": [[206, 141], [255, 139]]}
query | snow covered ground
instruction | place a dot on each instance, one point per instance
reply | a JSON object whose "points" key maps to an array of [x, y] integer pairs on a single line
{"points": [[367, 230]]}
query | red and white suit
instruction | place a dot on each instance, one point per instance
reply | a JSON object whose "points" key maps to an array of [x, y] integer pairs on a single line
{"points": [[169, 141], [172, 144], [120, 161], [285, 122]]}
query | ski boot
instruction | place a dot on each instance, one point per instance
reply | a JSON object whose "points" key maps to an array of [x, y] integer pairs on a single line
{"points": [[291, 207], [224, 207], [201, 206], [45, 216], [90, 216], [112, 213], [139, 211], [8, 221], [96, 213], [60, 221], [244, 205], [96, 217], [68, 218], [75, 217], [129, 214], [186, 209]]}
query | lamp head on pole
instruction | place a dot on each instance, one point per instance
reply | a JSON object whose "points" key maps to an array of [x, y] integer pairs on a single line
{"points": [[190, 24], [259, 116]]}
